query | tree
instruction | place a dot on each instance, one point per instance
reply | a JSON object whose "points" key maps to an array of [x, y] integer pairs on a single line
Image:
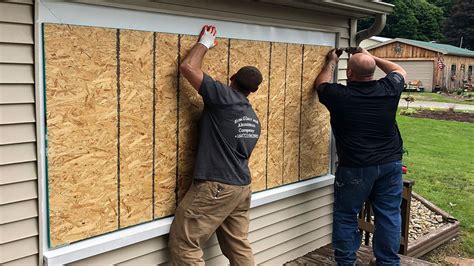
{"points": [[461, 24], [413, 19]]}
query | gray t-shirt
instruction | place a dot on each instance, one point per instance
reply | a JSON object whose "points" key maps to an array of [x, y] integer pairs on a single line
{"points": [[229, 131]]}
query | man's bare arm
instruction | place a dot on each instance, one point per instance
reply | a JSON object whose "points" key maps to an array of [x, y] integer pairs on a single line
{"points": [[191, 67], [327, 73]]}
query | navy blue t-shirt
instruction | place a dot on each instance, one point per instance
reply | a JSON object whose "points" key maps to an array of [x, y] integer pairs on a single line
{"points": [[363, 120], [229, 131]]}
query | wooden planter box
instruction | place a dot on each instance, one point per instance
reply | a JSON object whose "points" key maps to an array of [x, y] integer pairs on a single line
{"points": [[434, 239]]}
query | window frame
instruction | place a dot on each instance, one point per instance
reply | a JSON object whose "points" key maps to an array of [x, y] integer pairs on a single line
{"points": [[453, 70]]}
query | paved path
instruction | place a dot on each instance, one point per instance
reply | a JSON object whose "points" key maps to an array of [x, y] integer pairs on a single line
{"points": [[418, 104]]}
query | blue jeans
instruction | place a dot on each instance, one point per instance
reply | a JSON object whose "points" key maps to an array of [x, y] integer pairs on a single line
{"points": [[382, 185]]}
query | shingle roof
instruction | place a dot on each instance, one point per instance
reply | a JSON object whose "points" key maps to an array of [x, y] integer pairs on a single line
{"points": [[437, 47]]}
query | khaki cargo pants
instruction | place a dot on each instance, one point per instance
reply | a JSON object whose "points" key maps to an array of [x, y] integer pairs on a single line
{"points": [[210, 207]]}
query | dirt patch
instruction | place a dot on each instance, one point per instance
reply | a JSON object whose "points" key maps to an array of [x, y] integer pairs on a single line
{"points": [[447, 253], [444, 115]]}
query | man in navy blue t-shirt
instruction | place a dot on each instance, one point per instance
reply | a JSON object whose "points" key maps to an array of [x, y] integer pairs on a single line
{"points": [[369, 149], [219, 197]]}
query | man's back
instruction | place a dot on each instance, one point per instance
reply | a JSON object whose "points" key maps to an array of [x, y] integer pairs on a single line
{"points": [[229, 132], [363, 120]]}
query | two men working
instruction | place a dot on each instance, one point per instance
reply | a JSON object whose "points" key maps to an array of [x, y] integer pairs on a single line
{"points": [[368, 144]]}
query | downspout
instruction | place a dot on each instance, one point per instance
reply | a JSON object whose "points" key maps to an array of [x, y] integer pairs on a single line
{"points": [[375, 29]]}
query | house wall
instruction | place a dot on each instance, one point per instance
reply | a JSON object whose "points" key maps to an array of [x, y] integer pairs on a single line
{"points": [[402, 50], [280, 231], [460, 75], [19, 243]]}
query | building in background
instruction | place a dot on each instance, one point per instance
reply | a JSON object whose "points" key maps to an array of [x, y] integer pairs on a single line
{"points": [[438, 66], [373, 41]]}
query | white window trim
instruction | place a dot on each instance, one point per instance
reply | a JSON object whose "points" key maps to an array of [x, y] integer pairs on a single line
{"points": [[101, 16]]}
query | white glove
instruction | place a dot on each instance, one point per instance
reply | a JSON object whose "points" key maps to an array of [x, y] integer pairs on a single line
{"points": [[208, 36]]}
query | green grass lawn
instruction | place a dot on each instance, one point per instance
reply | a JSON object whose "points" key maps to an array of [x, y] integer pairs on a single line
{"points": [[434, 97], [441, 162]]}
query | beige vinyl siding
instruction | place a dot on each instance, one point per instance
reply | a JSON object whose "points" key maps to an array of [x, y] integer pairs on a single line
{"points": [[18, 176], [279, 232], [342, 65]]}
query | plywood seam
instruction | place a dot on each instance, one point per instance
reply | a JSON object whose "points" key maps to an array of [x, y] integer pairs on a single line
{"points": [[301, 113], [154, 131], [268, 112], [118, 124], [284, 116], [228, 61], [178, 88]]}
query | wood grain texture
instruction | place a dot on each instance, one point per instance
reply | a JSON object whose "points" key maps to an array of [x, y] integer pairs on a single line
{"points": [[314, 135], [166, 123], [190, 108], [255, 53], [276, 115], [136, 127], [292, 114], [81, 115]]}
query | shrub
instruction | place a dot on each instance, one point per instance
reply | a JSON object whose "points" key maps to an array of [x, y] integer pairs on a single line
{"points": [[408, 111]]}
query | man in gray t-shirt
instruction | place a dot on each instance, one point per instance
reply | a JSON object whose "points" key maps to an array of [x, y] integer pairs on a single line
{"points": [[219, 197]]}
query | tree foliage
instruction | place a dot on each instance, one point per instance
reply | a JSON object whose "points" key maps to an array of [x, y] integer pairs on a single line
{"points": [[461, 24], [414, 19]]}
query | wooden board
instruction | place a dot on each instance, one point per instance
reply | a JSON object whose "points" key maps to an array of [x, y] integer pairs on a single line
{"points": [[166, 119], [158, 122], [136, 127], [276, 115], [255, 53], [81, 93], [292, 114], [190, 108], [314, 136]]}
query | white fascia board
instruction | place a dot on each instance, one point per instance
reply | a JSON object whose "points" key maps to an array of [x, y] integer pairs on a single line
{"points": [[129, 236], [103, 16]]}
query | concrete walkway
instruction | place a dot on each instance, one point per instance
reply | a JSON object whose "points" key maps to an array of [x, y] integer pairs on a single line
{"points": [[421, 104]]}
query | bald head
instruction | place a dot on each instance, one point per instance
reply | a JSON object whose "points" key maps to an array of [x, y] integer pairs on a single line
{"points": [[361, 67]]}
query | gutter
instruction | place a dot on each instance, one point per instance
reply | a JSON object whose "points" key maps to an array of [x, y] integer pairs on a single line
{"points": [[376, 28]]}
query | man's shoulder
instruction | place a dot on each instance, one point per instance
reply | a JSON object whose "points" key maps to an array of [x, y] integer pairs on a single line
{"points": [[331, 89]]}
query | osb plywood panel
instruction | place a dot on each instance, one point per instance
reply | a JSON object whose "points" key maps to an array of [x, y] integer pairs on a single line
{"points": [[255, 53], [136, 127], [161, 125], [275, 115], [166, 80], [190, 107], [292, 114], [81, 106], [314, 135]]}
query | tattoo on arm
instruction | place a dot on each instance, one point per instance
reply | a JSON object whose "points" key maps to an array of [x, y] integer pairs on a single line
{"points": [[332, 66]]}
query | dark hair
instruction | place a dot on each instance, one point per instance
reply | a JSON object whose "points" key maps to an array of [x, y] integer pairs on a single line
{"points": [[248, 78]]}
